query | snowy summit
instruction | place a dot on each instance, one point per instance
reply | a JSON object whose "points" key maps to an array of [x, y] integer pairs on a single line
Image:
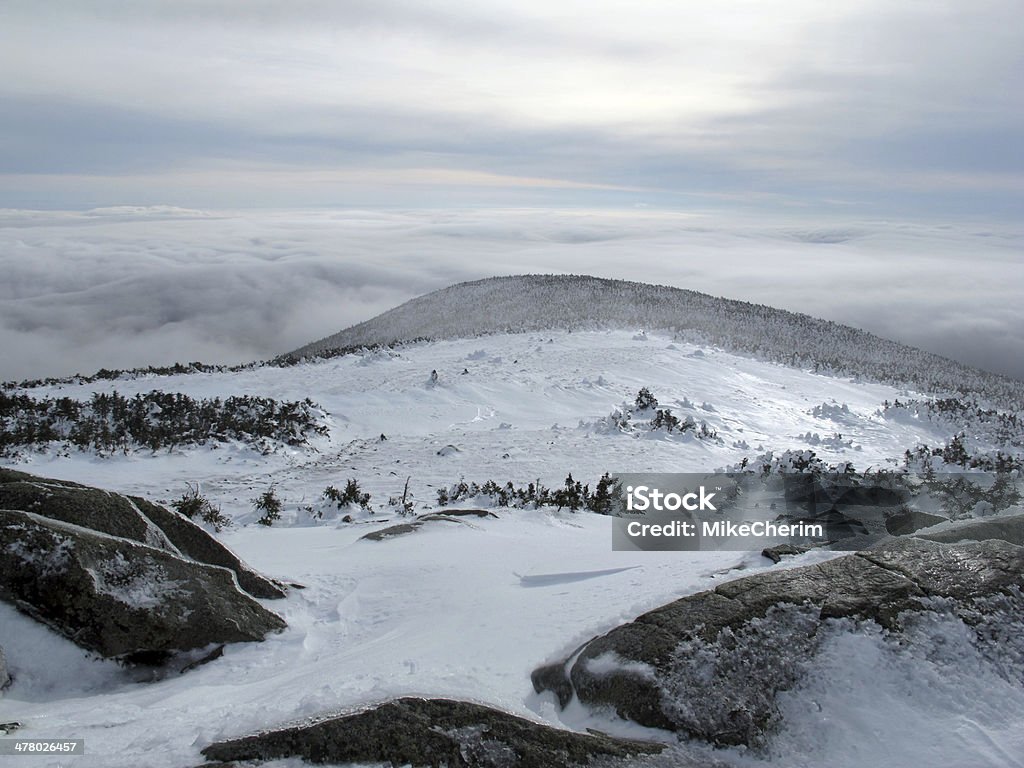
{"points": [[426, 495]]}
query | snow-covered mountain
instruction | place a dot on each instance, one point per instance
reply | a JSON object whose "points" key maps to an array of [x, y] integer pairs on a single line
{"points": [[573, 302], [525, 380]]}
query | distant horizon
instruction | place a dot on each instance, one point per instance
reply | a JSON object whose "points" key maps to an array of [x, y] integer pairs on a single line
{"points": [[763, 213]]}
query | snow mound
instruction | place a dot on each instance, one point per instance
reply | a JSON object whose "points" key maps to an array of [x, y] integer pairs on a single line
{"points": [[572, 302]]}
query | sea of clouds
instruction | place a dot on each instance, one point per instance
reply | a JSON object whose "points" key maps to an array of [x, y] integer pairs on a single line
{"points": [[125, 287]]}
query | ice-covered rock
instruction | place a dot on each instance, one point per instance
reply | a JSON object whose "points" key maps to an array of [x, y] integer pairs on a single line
{"points": [[1007, 528], [195, 543], [710, 664], [129, 517], [121, 598]]}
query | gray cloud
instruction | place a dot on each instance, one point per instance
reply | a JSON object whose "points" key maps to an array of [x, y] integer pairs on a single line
{"points": [[800, 131], [130, 287], [897, 109]]}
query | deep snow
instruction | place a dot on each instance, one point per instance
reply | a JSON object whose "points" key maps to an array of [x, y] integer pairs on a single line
{"points": [[469, 609]]}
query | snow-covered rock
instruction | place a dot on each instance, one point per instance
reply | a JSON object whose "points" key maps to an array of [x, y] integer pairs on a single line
{"points": [[193, 542], [93, 566], [710, 665], [130, 517], [119, 598], [1006, 528], [413, 731], [449, 516], [907, 521]]}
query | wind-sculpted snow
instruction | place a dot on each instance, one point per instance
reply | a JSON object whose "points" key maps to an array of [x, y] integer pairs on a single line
{"points": [[947, 690], [541, 302], [508, 408]]}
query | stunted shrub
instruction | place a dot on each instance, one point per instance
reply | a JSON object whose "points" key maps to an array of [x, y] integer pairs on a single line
{"points": [[351, 495], [573, 494], [270, 505], [193, 504], [645, 400], [403, 504]]}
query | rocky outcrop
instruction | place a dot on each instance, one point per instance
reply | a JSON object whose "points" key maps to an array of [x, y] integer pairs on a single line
{"points": [[779, 551], [87, 507], [120, 598], [1009, 528], [434, 732], [193, 542], [449, 516], [121, 576], [709, 665], [128, 517], [906, 521]]}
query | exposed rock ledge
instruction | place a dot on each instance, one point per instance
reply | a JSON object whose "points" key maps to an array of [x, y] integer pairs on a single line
{"points": [[443, 732], [448, 516], [709, 665], [129, 517], [123, 578]]}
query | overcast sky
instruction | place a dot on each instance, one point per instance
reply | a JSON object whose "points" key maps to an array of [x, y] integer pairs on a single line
{"points": [[858, 160], [895, 107]]}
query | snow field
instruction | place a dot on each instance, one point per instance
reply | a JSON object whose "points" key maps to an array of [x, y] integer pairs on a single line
{"points": [[469, 609]]}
